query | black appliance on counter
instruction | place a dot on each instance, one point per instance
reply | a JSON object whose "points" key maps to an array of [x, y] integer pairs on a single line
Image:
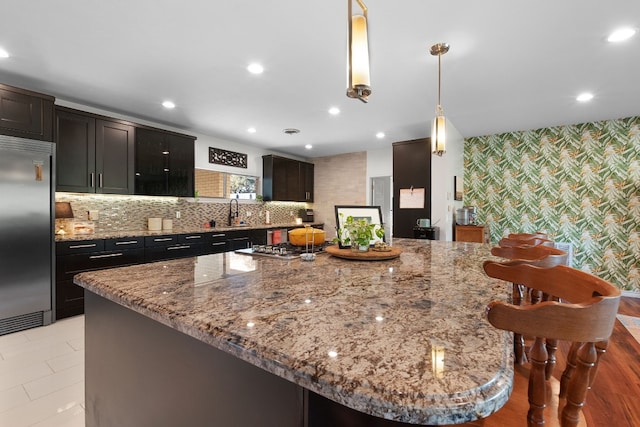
{"points": [[306, 215], [430, 233]]}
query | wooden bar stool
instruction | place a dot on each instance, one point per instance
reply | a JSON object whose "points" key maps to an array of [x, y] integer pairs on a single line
{"points": [[533, 241], [584, 315], [527, 236], [541, 256]]}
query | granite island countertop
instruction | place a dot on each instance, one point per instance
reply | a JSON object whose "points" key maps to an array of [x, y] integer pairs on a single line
{"points": [[402, 339]]}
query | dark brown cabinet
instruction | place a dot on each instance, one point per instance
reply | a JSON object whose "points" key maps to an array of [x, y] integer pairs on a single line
{"points": [[26, 114], [94, 154], [472, 233], [164, 163], [287, 179], [73, 257]]}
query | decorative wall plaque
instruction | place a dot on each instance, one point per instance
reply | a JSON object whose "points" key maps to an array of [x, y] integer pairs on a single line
{"points": [[227, 158]]}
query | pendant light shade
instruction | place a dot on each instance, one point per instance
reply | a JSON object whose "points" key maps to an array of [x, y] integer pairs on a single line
{"points": [[359, 85], [438, 127]]}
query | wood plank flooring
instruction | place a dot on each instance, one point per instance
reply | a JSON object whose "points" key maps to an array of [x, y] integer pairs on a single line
{"points": [[614, 399]]}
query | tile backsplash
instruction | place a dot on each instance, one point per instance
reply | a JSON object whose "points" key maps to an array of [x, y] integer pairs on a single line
{"points": [[130, 213]]}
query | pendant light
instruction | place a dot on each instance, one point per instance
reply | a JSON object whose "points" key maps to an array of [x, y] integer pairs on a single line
{"points": [[358, 55], [438, 128]]}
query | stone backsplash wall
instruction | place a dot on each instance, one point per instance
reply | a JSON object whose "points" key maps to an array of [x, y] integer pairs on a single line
{"points": [[130, 213]]}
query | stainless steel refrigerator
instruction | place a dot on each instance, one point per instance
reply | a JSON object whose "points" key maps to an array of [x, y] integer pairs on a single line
{"points": [[26, 233]]}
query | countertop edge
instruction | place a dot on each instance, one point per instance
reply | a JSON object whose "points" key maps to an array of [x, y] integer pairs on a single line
{"points": [[143, 233]]}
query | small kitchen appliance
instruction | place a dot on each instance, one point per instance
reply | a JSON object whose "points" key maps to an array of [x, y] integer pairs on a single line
{"points": [[466, 215], [306, 215]]}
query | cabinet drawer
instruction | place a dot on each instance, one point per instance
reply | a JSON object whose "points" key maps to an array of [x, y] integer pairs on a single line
{"points": [[217, 237], [217, 247], [192, 238], [165, 240], [69, 265], [79, 246], [124, 243], [181, 250]]}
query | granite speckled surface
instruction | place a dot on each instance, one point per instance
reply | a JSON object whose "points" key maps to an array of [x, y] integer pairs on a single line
{"points": [[118, 234], [403, 339]]}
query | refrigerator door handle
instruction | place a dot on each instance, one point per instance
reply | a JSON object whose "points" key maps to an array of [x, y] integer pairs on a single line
{"points": [[38, 169]]}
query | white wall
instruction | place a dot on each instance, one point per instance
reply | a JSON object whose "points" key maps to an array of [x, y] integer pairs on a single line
{"points": [[443, 169], [379, 163]]}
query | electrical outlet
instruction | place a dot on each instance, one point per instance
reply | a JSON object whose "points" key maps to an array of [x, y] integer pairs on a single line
{"points": [[177, 214], [248, 213]]}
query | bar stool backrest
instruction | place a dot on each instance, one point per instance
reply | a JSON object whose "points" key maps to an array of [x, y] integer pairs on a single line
{"points": [[585, 315]]}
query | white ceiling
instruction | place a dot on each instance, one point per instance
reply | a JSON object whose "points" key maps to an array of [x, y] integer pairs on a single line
{"points": [[513, 65]]}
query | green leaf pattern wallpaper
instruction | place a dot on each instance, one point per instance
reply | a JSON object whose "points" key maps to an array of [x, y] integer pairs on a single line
{"points": [[578, 183]]}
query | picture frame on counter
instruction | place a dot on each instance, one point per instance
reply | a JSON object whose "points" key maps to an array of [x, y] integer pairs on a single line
{"points": [[373, 214]]}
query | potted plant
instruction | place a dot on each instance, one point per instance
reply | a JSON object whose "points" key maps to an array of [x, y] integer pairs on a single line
{"points": [[358, 233]]}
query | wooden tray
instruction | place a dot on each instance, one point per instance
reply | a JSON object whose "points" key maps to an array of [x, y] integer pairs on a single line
{"points": [[370, 255]]}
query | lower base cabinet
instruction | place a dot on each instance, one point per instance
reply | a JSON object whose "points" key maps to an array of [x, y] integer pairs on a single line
{"points": [[472, 233], [73, 257]]}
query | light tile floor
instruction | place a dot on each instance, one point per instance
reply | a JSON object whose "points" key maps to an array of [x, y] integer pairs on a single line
{"points": [[42, 376]]}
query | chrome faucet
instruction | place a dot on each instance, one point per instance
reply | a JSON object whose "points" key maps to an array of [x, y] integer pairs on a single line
{"points": [[233, 215]]}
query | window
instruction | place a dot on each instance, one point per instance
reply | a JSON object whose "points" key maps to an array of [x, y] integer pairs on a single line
{"points": [[225, 185]]}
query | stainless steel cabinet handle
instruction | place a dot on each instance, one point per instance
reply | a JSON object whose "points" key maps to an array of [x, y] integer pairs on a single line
{"points": [[240, 238], [100, 180], [106, 256], [91, 180], [92, 245], [173, 248], [218, 235], [130, 242], [193, 237], [218, 244], [166, 239]]}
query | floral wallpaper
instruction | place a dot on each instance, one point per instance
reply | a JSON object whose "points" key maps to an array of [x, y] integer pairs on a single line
{"points": [[579, 183]]}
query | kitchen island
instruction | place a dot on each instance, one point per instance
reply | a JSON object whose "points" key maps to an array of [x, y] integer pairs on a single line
{"points": [[229, 339]]}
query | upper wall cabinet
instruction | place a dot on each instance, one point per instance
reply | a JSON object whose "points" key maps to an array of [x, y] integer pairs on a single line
{"points": [[94, 154], [286, 179], [164, 163], [26, 114]]}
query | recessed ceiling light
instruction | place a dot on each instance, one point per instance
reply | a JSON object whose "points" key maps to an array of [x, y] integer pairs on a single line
{"points": [[255, 68], [168, 104], [334, 111], [584, 97], [3, 53], [621, 35], [308, 146], [251, 130], [380, 135]]}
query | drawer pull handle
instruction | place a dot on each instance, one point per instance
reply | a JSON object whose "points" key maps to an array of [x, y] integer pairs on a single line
{"points": [[193, 237], [130, 242], [106, 256], [93, 245], [166, 239], [218, 235], [240, 238], [218, 244], [172, 248]]}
